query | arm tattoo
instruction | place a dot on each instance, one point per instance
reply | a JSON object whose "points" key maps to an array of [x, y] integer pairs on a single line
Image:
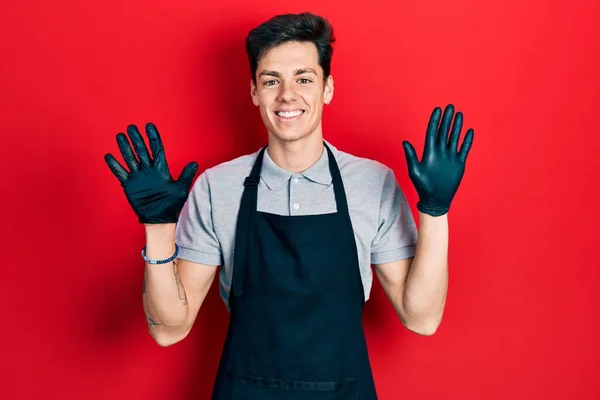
{"points": [[180, 288], [151, 322], [182, 296]]}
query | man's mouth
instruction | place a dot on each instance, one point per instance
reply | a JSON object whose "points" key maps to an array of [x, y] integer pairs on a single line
{"points": [[289, 115]]}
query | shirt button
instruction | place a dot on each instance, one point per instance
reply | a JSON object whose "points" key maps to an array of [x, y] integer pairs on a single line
{"points": [[296, 206], [296, 180]]}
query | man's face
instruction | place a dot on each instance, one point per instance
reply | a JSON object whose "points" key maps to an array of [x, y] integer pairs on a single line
{"points": [[290, 91]]}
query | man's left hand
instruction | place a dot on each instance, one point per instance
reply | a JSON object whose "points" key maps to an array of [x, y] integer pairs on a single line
{"points": [[437, 176]]}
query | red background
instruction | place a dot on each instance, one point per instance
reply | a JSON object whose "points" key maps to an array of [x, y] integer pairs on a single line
{"points": [[521, 320]]}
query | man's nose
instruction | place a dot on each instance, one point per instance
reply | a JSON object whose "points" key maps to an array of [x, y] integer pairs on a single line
{"points": [[286, 93]]}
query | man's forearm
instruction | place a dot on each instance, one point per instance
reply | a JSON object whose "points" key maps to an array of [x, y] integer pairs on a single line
{"points": [[164, 297], [427, 281]]}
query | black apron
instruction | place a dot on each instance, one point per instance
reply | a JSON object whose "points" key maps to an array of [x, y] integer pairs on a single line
{"points": [[296, 302]]}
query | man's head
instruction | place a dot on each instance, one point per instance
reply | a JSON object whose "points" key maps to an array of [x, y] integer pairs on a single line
{"points": [[290, 61]]}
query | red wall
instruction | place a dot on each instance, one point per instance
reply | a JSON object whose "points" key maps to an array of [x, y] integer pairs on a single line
{"points": [[522, 314]]}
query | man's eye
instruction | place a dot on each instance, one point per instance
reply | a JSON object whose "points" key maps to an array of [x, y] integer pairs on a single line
{"points": [[305, 80], [268, 83]]}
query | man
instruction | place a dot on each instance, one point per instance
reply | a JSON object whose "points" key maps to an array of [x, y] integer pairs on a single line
{"points": [[295, 227]]}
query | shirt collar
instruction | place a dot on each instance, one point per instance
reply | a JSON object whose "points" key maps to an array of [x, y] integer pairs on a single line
{"points": [[274, 176]]}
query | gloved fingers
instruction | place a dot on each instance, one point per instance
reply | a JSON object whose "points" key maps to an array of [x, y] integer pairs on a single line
{"points": [[157, 148], [411, 158], [116, 168], [139, 145], [466, 146], [454, 136], [156, 145], [445, 126], [432, 128], [127, 153], [187, 174]]}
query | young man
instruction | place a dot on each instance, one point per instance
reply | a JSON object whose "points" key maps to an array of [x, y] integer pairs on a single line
{"points": [[295, 227]]}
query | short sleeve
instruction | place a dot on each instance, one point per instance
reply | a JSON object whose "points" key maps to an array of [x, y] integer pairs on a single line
{"points": [[396, 237], [195, 234]]}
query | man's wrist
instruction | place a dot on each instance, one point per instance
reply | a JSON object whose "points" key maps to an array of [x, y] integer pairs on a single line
{"points": [[160, 229], [160, 241], [430, 223]]}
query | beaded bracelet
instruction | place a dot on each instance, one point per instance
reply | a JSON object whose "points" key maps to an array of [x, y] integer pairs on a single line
{"points": [[160, 261]]}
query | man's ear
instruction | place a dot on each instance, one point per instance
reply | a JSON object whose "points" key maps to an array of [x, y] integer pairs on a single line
{"points": [[253, 92], [328, 94]]}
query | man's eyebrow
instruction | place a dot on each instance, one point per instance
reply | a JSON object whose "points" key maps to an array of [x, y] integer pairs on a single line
{"points": [[270, 73], [296, 72], [305, 71]]}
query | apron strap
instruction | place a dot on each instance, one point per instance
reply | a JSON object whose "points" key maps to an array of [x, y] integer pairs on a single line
{"points": [[340, 198], [246, 212], [338, 185]]}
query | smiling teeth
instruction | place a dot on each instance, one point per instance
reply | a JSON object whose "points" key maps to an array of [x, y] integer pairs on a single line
{"points": [[289, 114]]}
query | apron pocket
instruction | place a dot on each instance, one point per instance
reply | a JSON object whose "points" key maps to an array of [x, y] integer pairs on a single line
{"points": [[245, 387]]}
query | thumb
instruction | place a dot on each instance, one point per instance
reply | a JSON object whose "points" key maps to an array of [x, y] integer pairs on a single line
{"points": [[411, 157], [187, 174]]}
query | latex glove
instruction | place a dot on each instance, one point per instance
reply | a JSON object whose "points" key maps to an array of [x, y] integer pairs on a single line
{"points": [[437, 176], [151, 191]]}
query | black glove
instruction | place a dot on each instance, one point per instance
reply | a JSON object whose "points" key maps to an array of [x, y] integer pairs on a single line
{"points": [[153, 194], [438, 175]]}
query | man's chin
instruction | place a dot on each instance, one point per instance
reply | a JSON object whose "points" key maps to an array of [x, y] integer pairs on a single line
{"points": [[289, 135]]}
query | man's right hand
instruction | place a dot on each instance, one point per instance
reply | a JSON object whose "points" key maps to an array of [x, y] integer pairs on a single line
{"points": [[151, 191]]}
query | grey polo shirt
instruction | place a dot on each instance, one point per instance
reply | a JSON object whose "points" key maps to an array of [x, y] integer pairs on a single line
{"points": [[383, 224]]}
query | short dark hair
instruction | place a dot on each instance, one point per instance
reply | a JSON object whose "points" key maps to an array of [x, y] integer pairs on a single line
{"points": [[303, 27]]}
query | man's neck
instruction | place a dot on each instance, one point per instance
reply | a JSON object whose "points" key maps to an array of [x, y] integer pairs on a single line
{"points": [[296, 156]]}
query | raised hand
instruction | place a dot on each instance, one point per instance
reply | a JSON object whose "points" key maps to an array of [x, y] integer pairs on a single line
{"points": [[437, 176], [151, 191]]}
